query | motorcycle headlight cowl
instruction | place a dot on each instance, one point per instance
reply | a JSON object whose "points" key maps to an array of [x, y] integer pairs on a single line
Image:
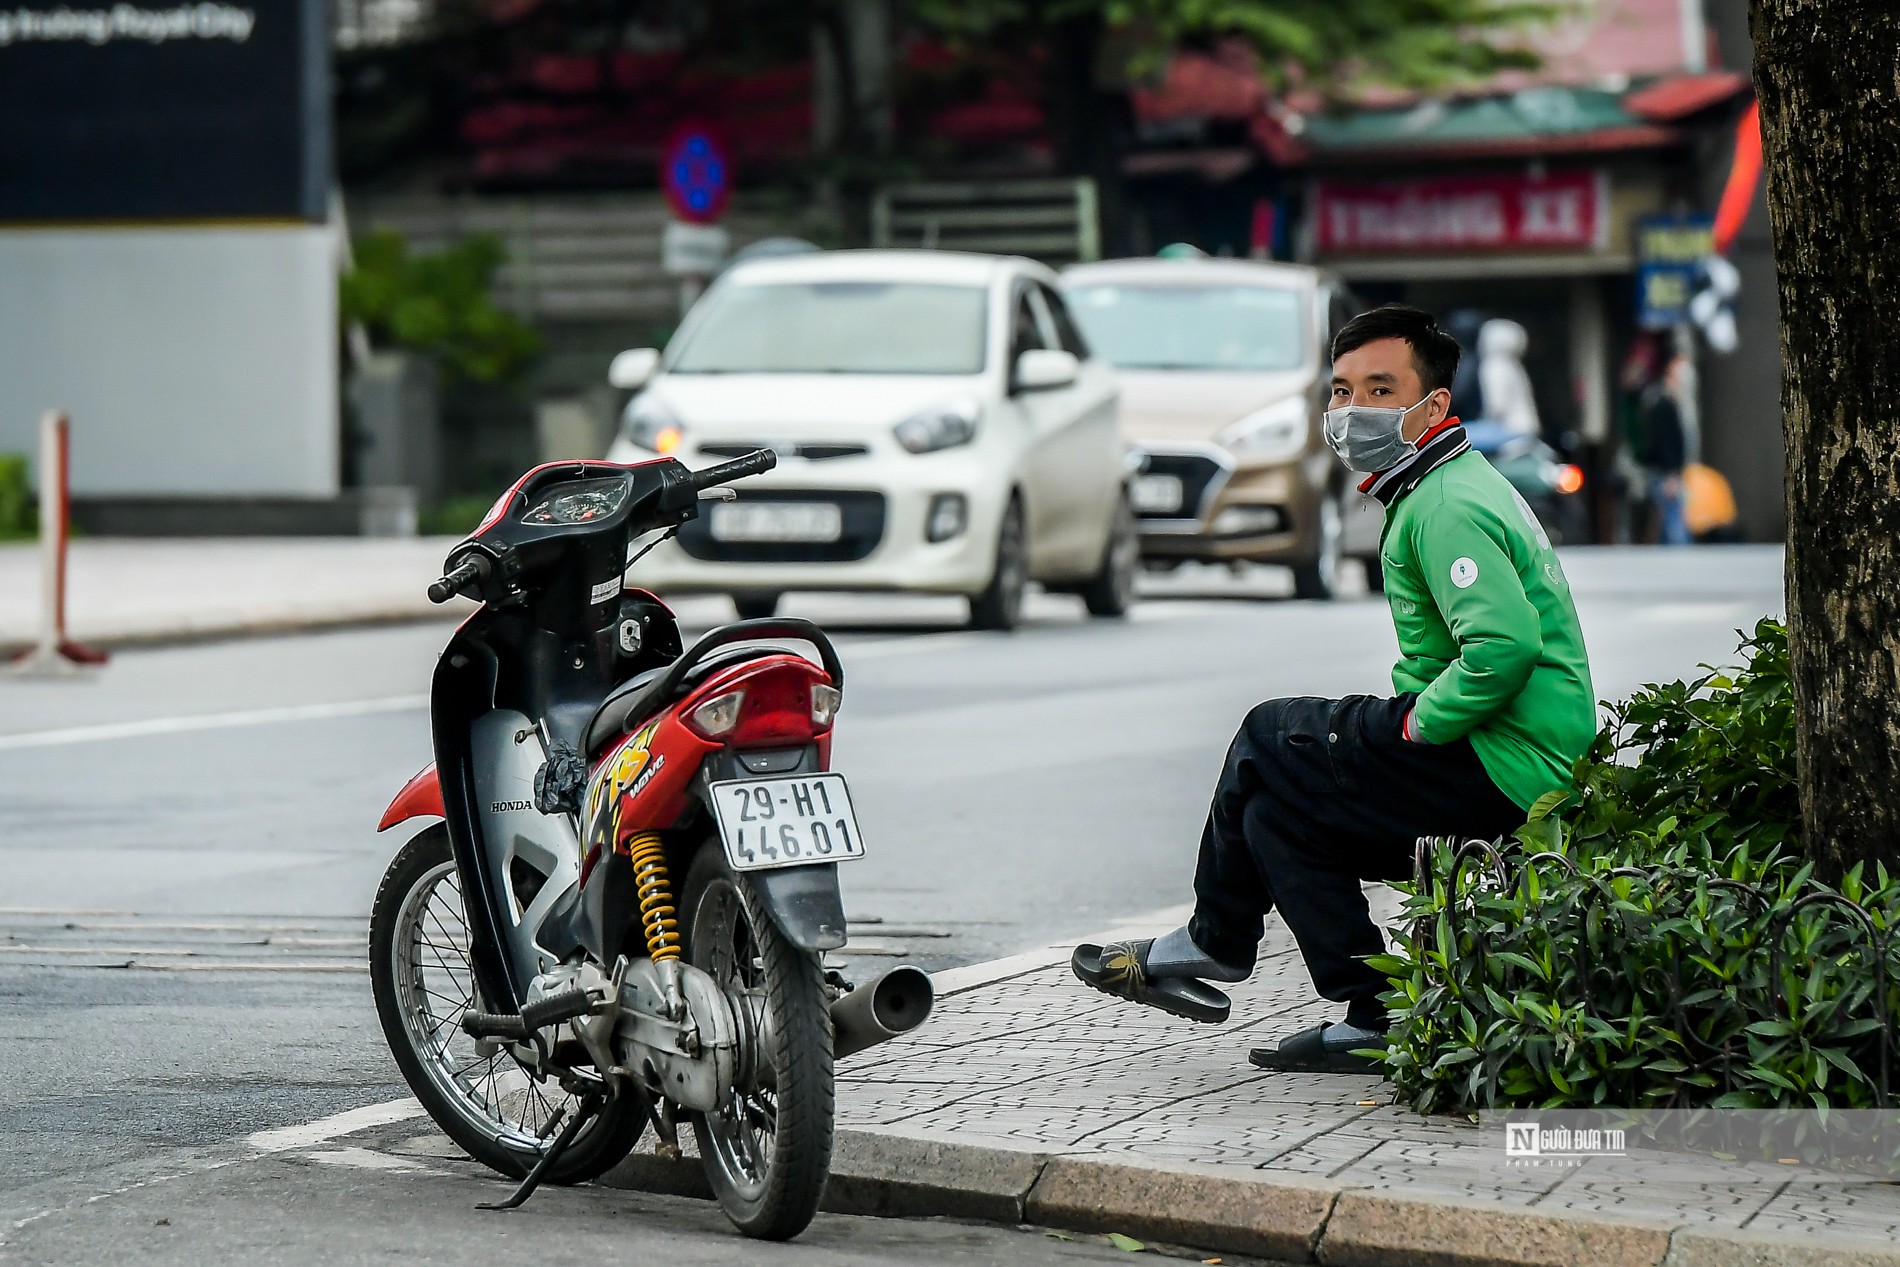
{"points": [[652, 426], [1278, 431], [942, 426]]}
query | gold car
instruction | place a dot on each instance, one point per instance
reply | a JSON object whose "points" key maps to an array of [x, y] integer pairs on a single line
{"points": [[1223, 373]]}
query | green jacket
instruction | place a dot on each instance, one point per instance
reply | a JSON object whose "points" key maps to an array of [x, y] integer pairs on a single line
{"points": [[1488, 634]]}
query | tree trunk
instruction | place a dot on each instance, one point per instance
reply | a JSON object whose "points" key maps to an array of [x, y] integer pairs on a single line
{"points": [[1085, 121], [1830, 113]]}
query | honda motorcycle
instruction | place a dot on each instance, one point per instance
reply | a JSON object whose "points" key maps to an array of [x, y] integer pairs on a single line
{"points": [[622, 917]]}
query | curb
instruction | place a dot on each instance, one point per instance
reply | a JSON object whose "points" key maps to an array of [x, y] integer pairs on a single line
{"points": [[261, 627], [891, 1174]]}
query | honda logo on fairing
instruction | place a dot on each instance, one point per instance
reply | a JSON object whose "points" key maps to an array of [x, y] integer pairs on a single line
{"points": [[503, 807]]}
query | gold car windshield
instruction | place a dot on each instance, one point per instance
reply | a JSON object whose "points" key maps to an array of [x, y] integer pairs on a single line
{"points": [[1237, 328]]}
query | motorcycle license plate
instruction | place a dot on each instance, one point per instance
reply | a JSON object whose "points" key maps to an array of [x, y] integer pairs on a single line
{"points": [[790, 821], [776, 521]]}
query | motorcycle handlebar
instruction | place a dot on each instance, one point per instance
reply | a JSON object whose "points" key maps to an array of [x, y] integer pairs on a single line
{"points": [[755, 463], [470, 569]]}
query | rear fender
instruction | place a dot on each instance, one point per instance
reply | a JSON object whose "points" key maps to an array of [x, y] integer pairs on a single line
{"points": [[421, 797]]}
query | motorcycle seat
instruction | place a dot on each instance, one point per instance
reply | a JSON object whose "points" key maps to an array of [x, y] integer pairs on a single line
{"points": [[637, 698]]}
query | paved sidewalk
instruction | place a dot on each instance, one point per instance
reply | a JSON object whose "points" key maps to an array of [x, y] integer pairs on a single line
{"points": [[130, 590], [1033, 1098]]}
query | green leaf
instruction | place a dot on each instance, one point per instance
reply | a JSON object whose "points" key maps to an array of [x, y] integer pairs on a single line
{"points": [[1128, 1243]]}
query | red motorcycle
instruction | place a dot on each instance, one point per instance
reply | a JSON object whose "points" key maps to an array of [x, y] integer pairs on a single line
{"points": [[622, 916]]}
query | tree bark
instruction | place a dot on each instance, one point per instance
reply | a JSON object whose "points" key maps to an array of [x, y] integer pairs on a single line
{"points": [[1085, 121], [1825, 72]]}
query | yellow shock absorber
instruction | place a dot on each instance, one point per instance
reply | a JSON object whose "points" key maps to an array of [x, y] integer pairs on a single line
{"points": [[658, 920]]}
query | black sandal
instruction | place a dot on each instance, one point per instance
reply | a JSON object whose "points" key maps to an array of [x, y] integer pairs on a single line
{"points": [[1119, 969], [1308, 1052]]}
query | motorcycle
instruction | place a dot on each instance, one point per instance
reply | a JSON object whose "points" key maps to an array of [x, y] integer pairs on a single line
{"points": [[545, 994]]}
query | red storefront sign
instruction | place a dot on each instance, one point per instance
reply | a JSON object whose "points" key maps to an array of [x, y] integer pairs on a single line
{"points": [[1561, 210]]}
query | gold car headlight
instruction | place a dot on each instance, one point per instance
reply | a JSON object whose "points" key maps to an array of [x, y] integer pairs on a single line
{"points": [[1276, 432]]}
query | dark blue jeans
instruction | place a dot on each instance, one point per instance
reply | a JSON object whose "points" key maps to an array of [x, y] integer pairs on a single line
{"points": [[1316, 796]]}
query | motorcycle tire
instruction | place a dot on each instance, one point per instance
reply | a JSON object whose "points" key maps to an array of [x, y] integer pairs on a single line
{"points": [[496, 1115], [728, 934]]}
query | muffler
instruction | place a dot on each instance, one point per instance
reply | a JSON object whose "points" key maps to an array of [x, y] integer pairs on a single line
{"points": [[884, 1007]]}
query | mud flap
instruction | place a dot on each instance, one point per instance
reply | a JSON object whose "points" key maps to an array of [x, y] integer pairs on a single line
{"points": [[804, 902]]}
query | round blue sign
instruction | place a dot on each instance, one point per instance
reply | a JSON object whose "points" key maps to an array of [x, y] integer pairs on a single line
{"points": [[695, 176]]}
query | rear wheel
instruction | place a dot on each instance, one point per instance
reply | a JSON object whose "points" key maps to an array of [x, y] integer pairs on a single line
{"points": [[1375, 574], [767, 1154], [1000, 605], [756, 606], [420, 975], [1319, 579], [1111, 591]]}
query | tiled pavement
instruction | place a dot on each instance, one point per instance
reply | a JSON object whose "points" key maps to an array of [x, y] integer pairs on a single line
{"points": [[1037, 1062]]}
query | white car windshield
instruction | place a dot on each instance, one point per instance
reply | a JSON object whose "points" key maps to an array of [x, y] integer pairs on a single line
{"points": [[1193, 327], [841, 327]]}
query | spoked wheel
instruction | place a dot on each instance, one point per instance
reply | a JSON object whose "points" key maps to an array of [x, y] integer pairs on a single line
{"points": [[767, 1154], [477, 1092]]}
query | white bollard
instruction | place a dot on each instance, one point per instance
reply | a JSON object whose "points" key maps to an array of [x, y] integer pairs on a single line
{"points": [[54, 654]]}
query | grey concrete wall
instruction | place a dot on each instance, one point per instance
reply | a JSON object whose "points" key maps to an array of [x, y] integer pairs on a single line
{"points": [[195, 361]]}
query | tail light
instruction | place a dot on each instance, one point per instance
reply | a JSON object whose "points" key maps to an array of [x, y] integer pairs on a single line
{"points": [[717, 716], [1569, 478], [779, 706]]}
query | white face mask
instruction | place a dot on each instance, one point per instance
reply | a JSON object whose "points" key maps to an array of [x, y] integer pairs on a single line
{"points": [[1370, 438]]}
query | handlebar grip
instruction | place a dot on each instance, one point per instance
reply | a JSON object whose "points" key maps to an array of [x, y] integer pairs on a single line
{"points": [[451, 585], [755, 463]]}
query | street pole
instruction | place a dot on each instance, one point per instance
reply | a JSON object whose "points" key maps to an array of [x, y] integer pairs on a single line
{"points": [[53, 654]]}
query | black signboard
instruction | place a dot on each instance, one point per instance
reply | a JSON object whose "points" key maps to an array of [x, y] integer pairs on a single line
{"points": [[159, 111]]}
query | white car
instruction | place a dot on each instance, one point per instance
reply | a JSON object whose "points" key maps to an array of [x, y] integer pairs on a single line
{"points": [[940, 424]]}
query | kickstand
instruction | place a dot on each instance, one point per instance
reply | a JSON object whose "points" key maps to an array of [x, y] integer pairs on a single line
{"points": [[589, 1108]]}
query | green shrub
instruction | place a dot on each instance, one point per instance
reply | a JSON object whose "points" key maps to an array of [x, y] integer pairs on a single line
{"points": [[438, 304], [455, 517], [18, 513], [1658, 943]]}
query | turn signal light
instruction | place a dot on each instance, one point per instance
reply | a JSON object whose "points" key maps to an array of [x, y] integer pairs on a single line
{"points": [[1569, 478], [718, 715], [824, 704]]}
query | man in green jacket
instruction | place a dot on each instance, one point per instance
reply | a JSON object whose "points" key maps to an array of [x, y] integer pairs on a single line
{"points": [[1493, 707]]}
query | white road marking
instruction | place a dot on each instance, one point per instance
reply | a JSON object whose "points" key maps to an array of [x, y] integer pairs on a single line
{"points": [[368, 1159], [283, 1139], [212, 721]]}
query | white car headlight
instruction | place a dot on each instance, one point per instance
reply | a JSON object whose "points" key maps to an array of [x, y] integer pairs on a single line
{"points": [[650, 425], [942, 426], [1278, 431]]}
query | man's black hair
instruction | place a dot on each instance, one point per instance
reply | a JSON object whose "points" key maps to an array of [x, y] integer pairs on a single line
{"points": [[1434, 353]]}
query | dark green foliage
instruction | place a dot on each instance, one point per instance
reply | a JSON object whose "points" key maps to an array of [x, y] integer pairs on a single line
{"points": [[1657, 944], [18, 513], [438, 304]]}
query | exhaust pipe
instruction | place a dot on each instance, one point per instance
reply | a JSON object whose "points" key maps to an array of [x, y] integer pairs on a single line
{"points": [[884, 1007]]}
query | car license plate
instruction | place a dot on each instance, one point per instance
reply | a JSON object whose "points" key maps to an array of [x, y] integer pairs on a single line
{"points": [[791, 821], [776, 521], [1159, 494]]}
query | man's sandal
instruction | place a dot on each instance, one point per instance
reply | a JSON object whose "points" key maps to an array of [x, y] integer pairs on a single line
{"points": [[1119, 968], [1309, 1052]]}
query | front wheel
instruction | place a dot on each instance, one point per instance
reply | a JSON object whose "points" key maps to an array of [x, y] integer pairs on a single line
{"points": [[755, 606], [1111, 591], [1000, 605], [1319, 578], [767, 1154], [420, 975]]}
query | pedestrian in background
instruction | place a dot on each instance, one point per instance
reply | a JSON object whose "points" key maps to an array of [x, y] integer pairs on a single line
{"points": [[1666, 451]]}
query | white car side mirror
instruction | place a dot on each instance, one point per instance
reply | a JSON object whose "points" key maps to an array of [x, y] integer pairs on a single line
{"points": [[1041, 369], [634, 368]]}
